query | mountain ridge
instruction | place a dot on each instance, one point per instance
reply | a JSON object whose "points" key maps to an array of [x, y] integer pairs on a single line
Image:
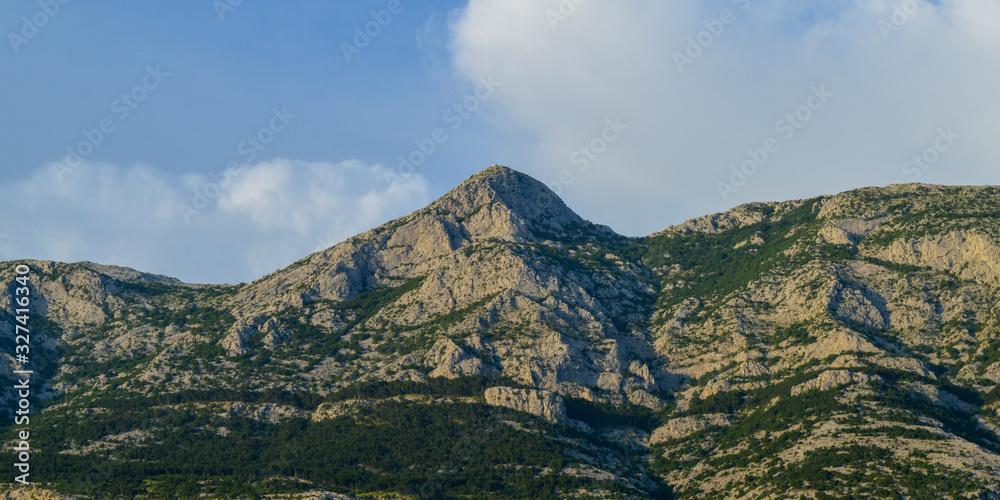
{"points": [[841, 345], [714, 222]]}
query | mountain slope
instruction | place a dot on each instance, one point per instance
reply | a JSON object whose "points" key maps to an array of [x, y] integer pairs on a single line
{"points": [[839, 346], [848, 346]]}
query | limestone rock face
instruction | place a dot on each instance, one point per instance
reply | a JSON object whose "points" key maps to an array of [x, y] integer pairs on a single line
{"points": [[837, 236], [240, 333], [743, 215], [804, 324], [856, 307], [451, 361], [685, 426], [830, 379], [750, 369], [716, 386], [970, 254], [269, 413], [941, 397], [544, 404], [496, 204], [642, 398], [16, 492]]}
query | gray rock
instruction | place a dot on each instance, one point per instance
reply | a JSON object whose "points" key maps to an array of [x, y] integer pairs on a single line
{"points": [[539, 403]]}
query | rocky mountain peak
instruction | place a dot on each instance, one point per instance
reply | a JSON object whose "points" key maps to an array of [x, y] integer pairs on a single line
{"points": [[845, 344], [503, 203], [498, 204]]}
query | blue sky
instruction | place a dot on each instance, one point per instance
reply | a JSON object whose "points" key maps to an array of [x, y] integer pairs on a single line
{"points": [[640, 114], [225, 76]]}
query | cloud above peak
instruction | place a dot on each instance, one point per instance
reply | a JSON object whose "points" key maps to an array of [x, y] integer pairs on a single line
{"points": [[704, 87]]}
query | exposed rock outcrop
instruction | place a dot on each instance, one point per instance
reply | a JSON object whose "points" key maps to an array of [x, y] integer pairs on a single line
{"points": [[539, 403], [756, 338], [831, 379], [685, 426], [452, 361]]}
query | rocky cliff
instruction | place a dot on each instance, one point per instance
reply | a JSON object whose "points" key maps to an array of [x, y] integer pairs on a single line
{"points": [[842, 346]]}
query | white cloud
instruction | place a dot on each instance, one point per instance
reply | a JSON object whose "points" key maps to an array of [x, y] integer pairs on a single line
{"points": [[687, 128], [263, 218]]}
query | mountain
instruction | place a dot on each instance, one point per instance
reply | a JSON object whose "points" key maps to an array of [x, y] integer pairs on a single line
{"points": [[496, 345]]}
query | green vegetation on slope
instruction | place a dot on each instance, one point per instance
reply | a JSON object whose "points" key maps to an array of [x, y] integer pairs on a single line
{"points": [[712, 266], [458, 450]]}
